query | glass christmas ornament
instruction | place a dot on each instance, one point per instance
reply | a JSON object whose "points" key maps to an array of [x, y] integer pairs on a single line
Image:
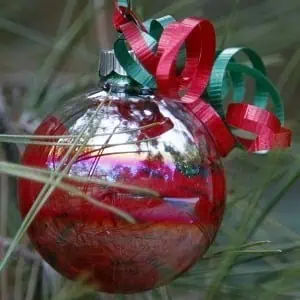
{"points": [[134, 138]]}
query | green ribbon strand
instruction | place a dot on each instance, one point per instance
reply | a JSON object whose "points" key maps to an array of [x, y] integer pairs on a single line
{"points": [[226, 69]]}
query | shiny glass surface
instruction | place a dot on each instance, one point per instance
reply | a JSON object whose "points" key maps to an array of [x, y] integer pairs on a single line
{"points": [[138, 140]]}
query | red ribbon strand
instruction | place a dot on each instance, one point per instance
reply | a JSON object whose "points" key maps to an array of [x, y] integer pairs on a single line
{"points": [[263, 124], [198, 38]]}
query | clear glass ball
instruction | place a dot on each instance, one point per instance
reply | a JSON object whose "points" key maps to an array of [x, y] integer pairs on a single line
{"points": [[139, 141]]}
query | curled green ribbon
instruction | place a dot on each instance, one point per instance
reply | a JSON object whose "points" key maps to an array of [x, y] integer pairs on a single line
{"points": [[225, 65]]}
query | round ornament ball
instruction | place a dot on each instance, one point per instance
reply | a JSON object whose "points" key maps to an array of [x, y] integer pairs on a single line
{"points": [[146, 156]]}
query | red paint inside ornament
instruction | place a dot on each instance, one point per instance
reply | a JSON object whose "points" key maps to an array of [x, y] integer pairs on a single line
{"points": [[150, 143]]}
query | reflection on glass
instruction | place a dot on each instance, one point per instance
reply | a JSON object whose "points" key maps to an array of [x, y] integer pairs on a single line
{"points": [[143, 141]]}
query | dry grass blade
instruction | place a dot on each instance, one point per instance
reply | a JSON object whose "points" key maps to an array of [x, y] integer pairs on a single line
{"points": [[10, 138], [36, 176], [242, 249], [103, 146], [61, 144], [131, 188], [260, 251], [53, 182]]}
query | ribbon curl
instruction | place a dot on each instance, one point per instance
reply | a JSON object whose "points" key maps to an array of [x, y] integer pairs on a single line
{"points": [[204, 79]]}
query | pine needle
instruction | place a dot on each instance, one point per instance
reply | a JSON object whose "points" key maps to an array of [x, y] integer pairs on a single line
{"points": [[52, 184]]}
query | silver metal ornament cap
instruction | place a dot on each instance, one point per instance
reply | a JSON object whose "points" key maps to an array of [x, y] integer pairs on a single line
{"points": [[109, 63]]}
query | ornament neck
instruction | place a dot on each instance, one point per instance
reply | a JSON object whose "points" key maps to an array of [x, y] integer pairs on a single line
{"points": [[114, 78], [116, 83]]}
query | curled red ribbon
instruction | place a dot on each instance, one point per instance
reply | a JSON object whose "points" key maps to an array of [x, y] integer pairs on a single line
{"points": [[265, 125], [123, 14], [193, 34], [198, 38]]}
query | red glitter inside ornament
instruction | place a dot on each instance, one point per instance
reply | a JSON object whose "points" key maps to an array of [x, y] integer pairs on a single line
{"points": [[141, 141]]}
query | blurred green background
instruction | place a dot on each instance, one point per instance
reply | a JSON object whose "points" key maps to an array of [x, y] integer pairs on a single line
{"points": [[49, 52]]}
